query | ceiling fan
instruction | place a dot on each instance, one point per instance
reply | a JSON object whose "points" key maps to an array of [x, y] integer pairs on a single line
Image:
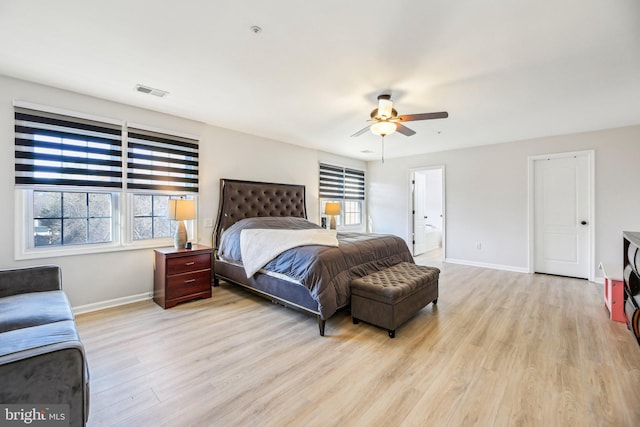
{"points": [[386, 120]]}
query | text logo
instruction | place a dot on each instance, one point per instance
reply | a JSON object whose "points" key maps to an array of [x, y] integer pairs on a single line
{"points": [[40, 415]]}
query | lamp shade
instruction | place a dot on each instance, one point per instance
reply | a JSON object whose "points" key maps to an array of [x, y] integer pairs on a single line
{"points": [[332, 208], [182, 209], [383, 128]]}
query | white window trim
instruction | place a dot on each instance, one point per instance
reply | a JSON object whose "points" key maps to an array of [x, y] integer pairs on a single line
{"points": [[70, 113], [122, 227], [24, 228], [362, 227], [122, 212], [160, 130], [354, 227], [192, 229]]}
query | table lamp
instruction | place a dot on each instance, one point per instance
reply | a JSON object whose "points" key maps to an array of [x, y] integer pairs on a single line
{"points": [[181, 210], [332, 209]]}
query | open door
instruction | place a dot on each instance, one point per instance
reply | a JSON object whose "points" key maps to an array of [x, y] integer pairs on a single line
{"points": [[427, 211], [419, 214]]}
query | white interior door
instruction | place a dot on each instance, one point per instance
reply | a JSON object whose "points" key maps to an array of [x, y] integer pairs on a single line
{"points": [[419, 233], [562, 216]]}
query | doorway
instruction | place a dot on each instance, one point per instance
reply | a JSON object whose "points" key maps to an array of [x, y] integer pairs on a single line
{"points": [[562, 228], [427, 212]]}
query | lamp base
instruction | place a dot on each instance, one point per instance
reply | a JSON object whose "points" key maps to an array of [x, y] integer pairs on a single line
{"points": [[180, 238], [332, 224]]}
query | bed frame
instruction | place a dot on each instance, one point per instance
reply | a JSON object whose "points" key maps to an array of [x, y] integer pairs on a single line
{"points": [[249, 199]]}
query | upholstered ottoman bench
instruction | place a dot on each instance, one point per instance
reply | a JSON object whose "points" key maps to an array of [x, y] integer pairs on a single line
{"points": [[389, 297]]}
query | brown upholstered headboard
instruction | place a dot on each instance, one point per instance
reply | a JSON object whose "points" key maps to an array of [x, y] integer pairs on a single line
{"points": [[248, 199]]}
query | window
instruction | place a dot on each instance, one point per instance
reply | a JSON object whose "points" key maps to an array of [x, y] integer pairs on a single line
{"points": [[161, 162], [66, 218], [352, 212], [78, 190], [150, 217], [345, 186], [52, 149]]}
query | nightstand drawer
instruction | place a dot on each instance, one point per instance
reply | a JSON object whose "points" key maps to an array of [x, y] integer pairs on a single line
{"points": [[186, 284], [187, 264], [180, 275]]}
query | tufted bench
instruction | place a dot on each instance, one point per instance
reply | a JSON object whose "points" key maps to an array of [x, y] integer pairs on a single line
{"points": [[389, 297]]}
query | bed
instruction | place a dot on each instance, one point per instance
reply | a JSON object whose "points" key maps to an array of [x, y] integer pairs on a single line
{"points": [[315, 279]]}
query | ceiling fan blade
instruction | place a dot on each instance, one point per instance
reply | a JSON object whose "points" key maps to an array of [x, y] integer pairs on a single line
{"points": [[423, 116], [360, 132], [404, 130]]}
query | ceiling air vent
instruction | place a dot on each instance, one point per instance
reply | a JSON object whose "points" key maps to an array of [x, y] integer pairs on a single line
{"points": [[151, 91]]}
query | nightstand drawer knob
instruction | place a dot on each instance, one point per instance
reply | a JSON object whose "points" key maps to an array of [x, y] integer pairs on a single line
{"points": [[189, 263], [190, 281]]}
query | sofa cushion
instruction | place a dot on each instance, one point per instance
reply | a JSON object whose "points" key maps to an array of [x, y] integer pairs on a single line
{"points": [[40, 339], [33, 309]]}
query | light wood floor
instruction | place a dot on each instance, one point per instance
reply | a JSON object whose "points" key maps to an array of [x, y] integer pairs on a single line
{"points": [[433, 257], [500, 349]]}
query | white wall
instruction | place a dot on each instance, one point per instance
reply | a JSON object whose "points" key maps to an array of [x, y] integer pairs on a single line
{"points": [[90, 280], [487, 195]]}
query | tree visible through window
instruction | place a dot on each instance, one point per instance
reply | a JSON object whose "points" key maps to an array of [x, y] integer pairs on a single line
{"points": [[80, 188], [150, 217], [70, 218]]}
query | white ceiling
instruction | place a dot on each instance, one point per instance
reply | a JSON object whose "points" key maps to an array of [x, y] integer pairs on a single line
{"points": [[505, 70]]}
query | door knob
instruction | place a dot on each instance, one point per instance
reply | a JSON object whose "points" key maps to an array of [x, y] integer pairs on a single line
{"points": [[584, 222]]}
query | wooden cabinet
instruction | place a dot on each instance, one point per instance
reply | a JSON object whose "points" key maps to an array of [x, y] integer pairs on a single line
{"points": [[181, 275]]}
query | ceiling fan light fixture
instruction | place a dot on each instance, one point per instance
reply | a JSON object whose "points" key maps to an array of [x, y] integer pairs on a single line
{"points": [[383, 128], [385, 108]]}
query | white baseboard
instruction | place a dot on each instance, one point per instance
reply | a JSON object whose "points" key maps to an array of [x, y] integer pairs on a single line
{"points": [[87, 308], [487, 265]]}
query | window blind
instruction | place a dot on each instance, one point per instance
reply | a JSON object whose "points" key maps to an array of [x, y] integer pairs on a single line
{"points": [[55, 149], [158, 161], [341, 183]]}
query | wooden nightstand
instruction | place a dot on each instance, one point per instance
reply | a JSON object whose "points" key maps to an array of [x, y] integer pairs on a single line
{"points": [[181, 275]]}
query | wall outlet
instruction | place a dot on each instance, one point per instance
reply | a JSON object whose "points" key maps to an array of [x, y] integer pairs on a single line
{"points": [[208, 222], [478, 245]]}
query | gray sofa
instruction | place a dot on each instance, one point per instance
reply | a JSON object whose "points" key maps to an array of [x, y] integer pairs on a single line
{"points": [[42, 360]]}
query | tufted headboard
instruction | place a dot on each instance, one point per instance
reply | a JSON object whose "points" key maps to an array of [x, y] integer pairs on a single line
{"points": [[248, 199]]}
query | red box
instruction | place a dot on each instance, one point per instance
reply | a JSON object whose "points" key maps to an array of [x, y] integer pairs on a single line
{"points": [[614, 291]]}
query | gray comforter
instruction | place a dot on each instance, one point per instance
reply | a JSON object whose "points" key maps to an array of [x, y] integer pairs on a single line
{"points": [[325, 271]]}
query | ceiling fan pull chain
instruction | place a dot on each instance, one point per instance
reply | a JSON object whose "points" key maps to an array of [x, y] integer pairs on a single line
{"points": [[382, 136]]}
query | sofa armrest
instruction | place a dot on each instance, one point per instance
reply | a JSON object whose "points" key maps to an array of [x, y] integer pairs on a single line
{"points": [[53, 374], [45, 364], [30, 279]]}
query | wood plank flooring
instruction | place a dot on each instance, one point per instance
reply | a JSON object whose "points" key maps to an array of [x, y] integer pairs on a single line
{"points": [[499, 349]]}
